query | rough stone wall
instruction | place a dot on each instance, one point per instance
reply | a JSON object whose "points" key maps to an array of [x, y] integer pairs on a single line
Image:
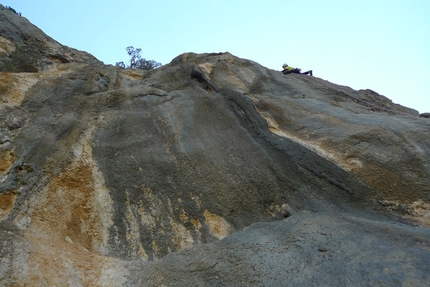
{"points": [[116, 177]]}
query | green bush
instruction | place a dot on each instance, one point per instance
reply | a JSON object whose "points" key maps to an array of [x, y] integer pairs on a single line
{"points": [[137, 62]]}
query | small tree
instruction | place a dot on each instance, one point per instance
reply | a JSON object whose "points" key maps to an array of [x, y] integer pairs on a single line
{"points": [[136, 60], [147, 64], [134, 55]]}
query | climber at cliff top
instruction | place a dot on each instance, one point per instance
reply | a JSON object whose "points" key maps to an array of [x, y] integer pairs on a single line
{"points": [[288, 70]]}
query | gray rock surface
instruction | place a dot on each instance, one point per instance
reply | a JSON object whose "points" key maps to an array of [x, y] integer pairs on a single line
{"points": [[306, 249], [30, 49], [209, 171]]}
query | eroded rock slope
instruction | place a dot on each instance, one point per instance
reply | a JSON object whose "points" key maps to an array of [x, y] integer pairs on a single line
{"points": [[185, 175]]}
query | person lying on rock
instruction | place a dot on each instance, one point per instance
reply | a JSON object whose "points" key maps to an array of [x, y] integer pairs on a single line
{"points": [[289, 70]]}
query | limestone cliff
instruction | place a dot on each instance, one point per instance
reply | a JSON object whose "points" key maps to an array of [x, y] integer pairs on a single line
{"points": [[186, 175]]}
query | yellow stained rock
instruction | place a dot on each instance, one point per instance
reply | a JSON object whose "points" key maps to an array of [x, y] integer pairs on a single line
{"points": [[7, 159], [218, 226], [7, 201]]}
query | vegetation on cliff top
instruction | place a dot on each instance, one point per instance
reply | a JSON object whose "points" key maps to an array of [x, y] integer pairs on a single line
{"points": [[136, 60], [13, 10]]}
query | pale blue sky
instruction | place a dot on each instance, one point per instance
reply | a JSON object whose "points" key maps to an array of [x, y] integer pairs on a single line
{"points": [[383, 45]]}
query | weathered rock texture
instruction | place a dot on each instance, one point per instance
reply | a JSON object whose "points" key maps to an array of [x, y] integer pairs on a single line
{"points": [[209, 171]]}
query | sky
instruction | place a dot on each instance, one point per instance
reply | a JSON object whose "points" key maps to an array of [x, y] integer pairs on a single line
{"points": [[382, 45]]}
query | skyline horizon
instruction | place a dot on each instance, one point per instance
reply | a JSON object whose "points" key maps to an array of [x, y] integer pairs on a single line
{"points": [[359, 44]]}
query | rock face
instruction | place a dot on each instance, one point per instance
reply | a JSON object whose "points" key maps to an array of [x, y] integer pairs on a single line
{"points": [[209, 171]]}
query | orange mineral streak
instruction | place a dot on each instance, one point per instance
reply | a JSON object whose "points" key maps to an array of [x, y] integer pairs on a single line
{"points": [[218, 226], [64, 231], [13, 87], [7, 159], [7, 201]]}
